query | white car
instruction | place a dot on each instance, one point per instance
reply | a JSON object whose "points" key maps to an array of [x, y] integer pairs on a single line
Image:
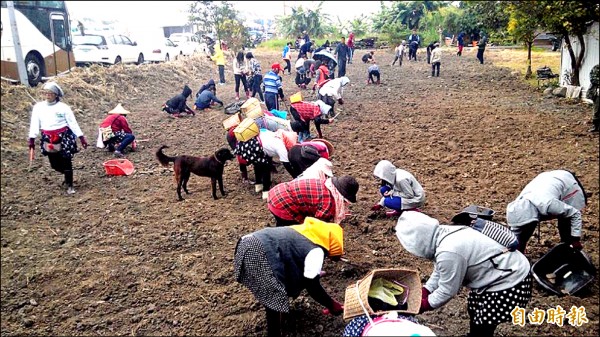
{"points": [[106, 49], [188, 42], [163, 51]]}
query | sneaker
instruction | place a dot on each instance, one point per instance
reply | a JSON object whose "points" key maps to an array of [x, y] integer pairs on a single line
{"points": [[70, 190], [118, 154]]}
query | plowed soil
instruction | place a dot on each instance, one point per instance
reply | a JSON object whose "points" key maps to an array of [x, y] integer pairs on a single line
{"points": [[123, 257]]}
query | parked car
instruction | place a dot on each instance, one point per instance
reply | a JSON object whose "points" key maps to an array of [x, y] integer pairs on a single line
{"points": [[160, 50], [188, 42], [106, 49]]}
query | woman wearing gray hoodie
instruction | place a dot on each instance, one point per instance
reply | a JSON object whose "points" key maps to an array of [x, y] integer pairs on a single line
{"points": [[554, 194], [400, 190], [499, 279]]}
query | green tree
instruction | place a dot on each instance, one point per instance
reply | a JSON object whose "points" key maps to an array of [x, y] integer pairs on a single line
{"points": [[314, 22], [221, 19], [570, 18], [360, 25], [490, 16], [524, 25]]}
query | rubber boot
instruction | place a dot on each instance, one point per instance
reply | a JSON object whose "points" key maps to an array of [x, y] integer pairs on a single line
{"points": [[69, 181], [247, 94]]}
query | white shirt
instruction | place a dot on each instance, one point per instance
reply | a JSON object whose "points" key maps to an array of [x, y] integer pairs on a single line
{"points": [[313, 263], [300, 63], [274, 146], [52, 117], [334, 88]]}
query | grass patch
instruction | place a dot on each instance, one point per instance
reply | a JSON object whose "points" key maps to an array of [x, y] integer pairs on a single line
{"points": [[516, 59]]}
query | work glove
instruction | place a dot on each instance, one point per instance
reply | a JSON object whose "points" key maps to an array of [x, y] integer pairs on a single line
{"points": [[376, 207], [84, 142], [341, 101], [425, 301], [336, 309], [576, 243], [31, 143]]}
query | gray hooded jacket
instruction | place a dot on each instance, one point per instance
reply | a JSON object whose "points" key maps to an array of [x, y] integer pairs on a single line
{"points": [[462, 257], [404, 184], [550, 195]]}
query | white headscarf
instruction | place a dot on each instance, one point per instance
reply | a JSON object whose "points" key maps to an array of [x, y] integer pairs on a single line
{"points": [[52, 86]]}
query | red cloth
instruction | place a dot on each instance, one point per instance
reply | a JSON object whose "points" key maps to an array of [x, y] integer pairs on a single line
{"points": [[323, 75], [350, 41], [299, 198], [321, 148], [307, 111], [117, 123]]}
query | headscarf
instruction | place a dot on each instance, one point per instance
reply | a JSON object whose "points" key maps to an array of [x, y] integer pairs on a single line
{"points": [[54, 87]]}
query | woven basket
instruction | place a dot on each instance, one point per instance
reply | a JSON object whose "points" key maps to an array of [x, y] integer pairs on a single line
{"points": [[233, 120], [246, 130], [408, 277]]}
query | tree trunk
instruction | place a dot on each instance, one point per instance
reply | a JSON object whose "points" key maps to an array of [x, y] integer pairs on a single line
{"points": [[579, 58], [574, 66], [528, 72]]}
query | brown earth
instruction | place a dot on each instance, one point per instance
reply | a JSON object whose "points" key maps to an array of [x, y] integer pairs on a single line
{"points": [[123, 257]]}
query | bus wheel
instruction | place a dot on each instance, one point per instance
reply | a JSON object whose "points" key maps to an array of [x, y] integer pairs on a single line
{"points": [[118, 60], [140, 59], [35, 70]]}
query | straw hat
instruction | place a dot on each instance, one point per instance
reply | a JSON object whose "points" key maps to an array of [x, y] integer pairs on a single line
{"points": [[118, 110], [326, 142]]}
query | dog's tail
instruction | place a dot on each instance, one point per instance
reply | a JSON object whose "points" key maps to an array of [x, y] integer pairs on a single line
{"points": [[163, 158]]}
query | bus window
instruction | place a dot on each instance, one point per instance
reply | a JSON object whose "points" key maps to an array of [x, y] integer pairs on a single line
{"points": [[59, 32]]}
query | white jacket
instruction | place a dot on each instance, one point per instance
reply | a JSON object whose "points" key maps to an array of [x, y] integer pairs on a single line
{"points": [[436, 55], [53, 116], [550, 195], [334, 88]]}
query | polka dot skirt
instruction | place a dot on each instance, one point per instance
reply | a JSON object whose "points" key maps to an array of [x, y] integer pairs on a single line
{"points": [[495, 307], [68, 142], [252, 269], [252, 152]]}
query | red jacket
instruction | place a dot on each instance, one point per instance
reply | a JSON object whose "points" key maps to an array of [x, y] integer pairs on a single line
{"points": [[117, 123], [323, 75], [350, 41], [307, 111], [299, 198]]}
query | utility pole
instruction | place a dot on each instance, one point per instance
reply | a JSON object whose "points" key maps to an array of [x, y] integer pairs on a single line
{"points": [[17, 43]]}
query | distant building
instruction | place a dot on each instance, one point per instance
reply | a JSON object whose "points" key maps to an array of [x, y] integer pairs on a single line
{"points": [[590, 58]]}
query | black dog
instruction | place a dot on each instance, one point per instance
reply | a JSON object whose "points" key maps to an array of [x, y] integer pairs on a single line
{"points": [[183, 166]]}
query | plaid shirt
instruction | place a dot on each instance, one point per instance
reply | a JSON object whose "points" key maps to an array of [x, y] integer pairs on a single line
{"points": [[299, 198], [307, 111]]}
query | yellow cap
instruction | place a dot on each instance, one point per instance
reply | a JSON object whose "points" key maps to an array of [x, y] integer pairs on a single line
{"points": [[327, 235]]}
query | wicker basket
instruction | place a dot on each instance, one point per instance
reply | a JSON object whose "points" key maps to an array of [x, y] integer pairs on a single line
{"points": [[246, 130], [233, 120], [408, 277], [297, 97]]}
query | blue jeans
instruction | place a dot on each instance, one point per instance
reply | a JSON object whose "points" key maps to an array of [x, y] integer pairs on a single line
{"points": [[271, 101], [394, 203], [128, 139]]}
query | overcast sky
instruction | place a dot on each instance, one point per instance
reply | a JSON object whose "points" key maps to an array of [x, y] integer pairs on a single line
{"points": [[160, 13]]}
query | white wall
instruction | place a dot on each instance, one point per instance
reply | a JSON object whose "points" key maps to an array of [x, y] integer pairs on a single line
{"points": [[590, 58]]}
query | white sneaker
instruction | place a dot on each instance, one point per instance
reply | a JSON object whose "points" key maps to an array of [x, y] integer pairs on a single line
{"points": [[71, 190], [258, 188], [265, 195]]}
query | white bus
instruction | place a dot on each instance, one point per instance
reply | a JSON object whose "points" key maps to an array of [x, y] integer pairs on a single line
{"points": [[45, 38]]}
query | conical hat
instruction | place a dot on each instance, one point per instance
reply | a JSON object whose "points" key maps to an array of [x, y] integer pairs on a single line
{"points": [[327, 143], [118, 110]]}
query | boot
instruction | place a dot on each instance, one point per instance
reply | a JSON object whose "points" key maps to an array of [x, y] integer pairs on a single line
{"points": [[69, 181], [247, 94], [237, 96], [378, 82]]}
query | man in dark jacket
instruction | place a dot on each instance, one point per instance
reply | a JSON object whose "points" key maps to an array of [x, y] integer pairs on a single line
{"points": [[414, 40], [481, 48], [206, 98], [343, 54], [178, 105]]}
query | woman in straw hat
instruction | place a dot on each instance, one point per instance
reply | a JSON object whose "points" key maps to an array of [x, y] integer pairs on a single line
{"points": [[119, 134], [325, 199], [499, 278], [59, 132], [275, 263]]}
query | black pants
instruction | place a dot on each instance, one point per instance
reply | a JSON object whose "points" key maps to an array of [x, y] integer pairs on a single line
{"points": [[62, 165], [272, 101], [372, 74], [221, 74], [288, 66], [483, 330], [274, 323], [298, 162], [397, 58], [262, 175], [341, 67], [428, 57], [596, 118], [480, 55], [331, 102], [435, 69], [255, 85], [239, 78]]}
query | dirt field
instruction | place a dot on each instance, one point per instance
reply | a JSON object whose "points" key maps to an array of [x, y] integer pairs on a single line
{"points": [[123, 257]]}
